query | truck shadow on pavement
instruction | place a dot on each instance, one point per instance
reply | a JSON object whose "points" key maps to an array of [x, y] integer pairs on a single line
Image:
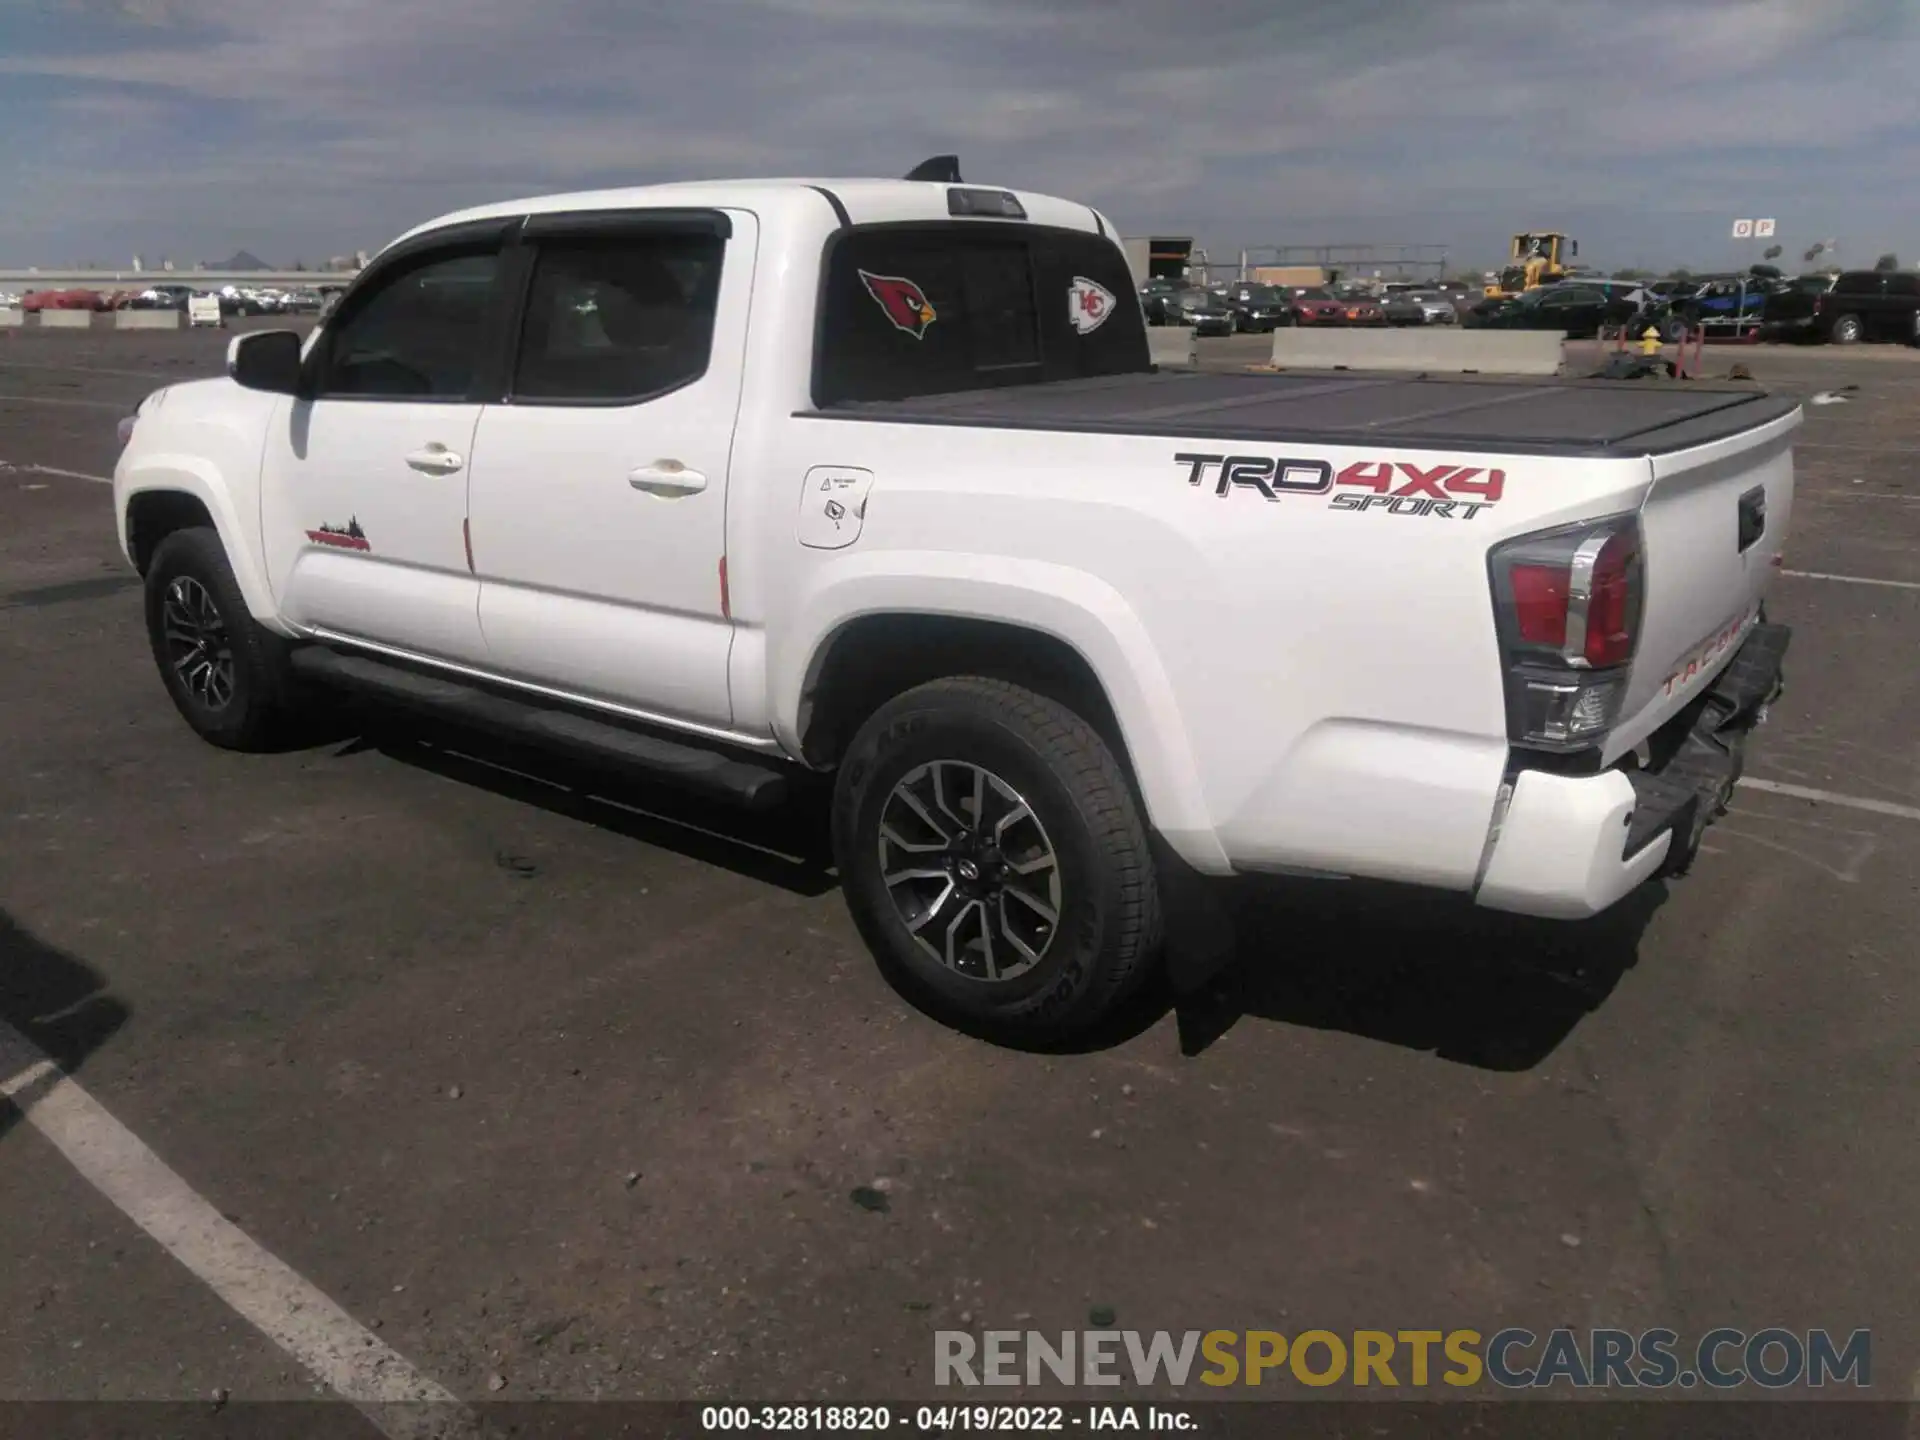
{"points": [[789, 848], [59, 1004], [1421, 970], [1418, 969]]}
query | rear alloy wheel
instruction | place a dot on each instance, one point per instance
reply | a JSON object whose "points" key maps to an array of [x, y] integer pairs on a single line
{"points": [[1846, 330], [970, 869], [995, 860]]}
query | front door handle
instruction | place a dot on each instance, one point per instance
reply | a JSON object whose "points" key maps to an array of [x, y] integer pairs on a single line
{"points": [[435, 459], [667, 477]]}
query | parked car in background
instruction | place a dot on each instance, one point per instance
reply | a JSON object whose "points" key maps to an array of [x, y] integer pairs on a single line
{"points": [[1207, 313], [1578, 310], [1154, 298], [1420, 307], [1258, 308], [1363, 311], [162, 297], [1731, 307], [1869, 305], [36, 300], [1789, 311], [1316, 305]]}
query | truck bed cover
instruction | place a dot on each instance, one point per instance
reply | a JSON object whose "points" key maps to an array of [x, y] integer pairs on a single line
{"points": [[1457, 412]]}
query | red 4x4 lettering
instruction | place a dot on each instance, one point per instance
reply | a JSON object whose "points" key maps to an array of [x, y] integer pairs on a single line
{"points": [[1438, 482], [1424, 482]]}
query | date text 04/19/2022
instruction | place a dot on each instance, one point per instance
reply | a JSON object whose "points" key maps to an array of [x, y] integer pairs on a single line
{"points": [[942, 1419]]}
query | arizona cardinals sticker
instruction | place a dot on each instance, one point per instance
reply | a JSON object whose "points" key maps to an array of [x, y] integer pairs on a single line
{"points": [[905, 304], [352, 537], [1089, 303]]}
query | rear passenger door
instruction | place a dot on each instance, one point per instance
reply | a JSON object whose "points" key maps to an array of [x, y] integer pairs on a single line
{"points": [[597, 496]]}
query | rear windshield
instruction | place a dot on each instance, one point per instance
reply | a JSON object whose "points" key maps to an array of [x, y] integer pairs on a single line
{"points": [[918, 309]]}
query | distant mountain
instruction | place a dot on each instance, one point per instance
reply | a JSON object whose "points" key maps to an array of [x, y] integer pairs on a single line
{"points": [[241, 260]]}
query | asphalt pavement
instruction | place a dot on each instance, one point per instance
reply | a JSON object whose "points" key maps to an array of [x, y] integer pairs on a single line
{"points": [[562, 1088]]}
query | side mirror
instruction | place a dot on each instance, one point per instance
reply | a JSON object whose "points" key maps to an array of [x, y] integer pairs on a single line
{"points": [[267, 360]]}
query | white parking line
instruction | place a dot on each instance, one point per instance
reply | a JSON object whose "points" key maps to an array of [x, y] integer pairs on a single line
{"points": [[1828, 797], [123, 406], [10, 469], [274, 1298], [1853, 579], [1852, 495], [93, 370]]}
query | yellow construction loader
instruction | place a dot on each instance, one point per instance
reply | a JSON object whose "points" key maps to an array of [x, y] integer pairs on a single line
{"points": [[1539, 258]]}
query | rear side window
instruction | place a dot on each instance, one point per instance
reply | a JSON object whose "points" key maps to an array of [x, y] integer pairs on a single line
{"points": [[1903, 285], [1861, 282], [618, 318], [930, 309]]}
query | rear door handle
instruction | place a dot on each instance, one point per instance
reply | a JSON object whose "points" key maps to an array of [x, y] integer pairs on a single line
{"points": [[435, 459], [667, 477]]}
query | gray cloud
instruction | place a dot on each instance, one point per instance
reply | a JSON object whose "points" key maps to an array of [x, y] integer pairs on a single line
{"points": [[1643, 125]]}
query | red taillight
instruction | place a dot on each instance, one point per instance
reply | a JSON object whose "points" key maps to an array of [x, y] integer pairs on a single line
{"points": [[1567, 606], [1540, 603]]}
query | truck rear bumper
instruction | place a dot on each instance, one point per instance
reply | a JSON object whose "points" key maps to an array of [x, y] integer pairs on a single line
{"points": [[1571, 846]]}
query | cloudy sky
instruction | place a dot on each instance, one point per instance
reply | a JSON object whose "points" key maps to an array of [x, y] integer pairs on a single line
{"points": [[303, 128]]}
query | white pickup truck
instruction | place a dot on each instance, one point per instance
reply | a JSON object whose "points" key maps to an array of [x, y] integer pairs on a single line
{"points": [[729, 481]]}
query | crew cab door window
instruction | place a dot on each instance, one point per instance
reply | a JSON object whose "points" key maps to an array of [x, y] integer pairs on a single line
{"points": [[419, 336], [618, 319]]}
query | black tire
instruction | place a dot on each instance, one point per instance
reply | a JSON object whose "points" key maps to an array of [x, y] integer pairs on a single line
{"points": [[1106, 937], [1846, 330], [189, 576]]}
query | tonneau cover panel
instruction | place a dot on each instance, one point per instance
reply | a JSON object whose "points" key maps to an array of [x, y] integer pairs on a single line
{"points": [[1558, 416]]}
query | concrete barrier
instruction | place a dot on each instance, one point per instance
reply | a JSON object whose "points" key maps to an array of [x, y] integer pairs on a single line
{"points": [[12, 318], [1170, 344], [66, 319], [1439, 348], [149, 319]]}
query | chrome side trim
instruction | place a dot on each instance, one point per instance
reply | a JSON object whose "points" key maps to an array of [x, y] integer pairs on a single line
{"points": [[453, 667], [1502, 802], [1580, 597]]}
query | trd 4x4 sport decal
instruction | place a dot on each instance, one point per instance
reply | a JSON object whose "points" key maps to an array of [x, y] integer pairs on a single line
{"points": [[905, 304], [350, 538], [1399, 487], [1089, 303]]}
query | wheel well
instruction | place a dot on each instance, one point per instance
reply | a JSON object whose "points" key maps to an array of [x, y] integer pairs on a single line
{"points": [[153, 515], [877, 657]]}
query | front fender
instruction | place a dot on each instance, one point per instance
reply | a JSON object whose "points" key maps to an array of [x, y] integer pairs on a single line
{"points": [[1070, 605], [185, 474]]}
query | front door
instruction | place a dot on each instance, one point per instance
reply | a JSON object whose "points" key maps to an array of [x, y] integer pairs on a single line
{"points": [[599, 487], [364, 479]]}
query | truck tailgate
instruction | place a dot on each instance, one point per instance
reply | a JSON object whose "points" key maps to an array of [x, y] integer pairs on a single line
{"points": [[1714, 523]]}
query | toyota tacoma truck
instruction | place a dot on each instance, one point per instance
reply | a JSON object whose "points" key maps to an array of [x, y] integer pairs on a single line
{"points": [[729, 482]]}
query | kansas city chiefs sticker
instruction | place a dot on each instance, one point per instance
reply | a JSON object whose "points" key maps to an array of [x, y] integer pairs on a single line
{"points": [[905, 303], [1089, 303]]}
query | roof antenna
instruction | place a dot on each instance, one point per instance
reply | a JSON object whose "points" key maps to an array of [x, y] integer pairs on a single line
{"points": [[941, 169]]}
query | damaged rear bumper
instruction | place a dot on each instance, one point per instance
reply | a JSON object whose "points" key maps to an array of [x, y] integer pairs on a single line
{"points": [[1571, 846]]}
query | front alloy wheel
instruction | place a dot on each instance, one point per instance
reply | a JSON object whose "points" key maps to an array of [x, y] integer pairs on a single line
{"points": [[970, 870], [198, 646]]}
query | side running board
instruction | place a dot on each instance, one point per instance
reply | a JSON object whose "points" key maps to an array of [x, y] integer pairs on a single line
{"points": [[750, 784]]}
